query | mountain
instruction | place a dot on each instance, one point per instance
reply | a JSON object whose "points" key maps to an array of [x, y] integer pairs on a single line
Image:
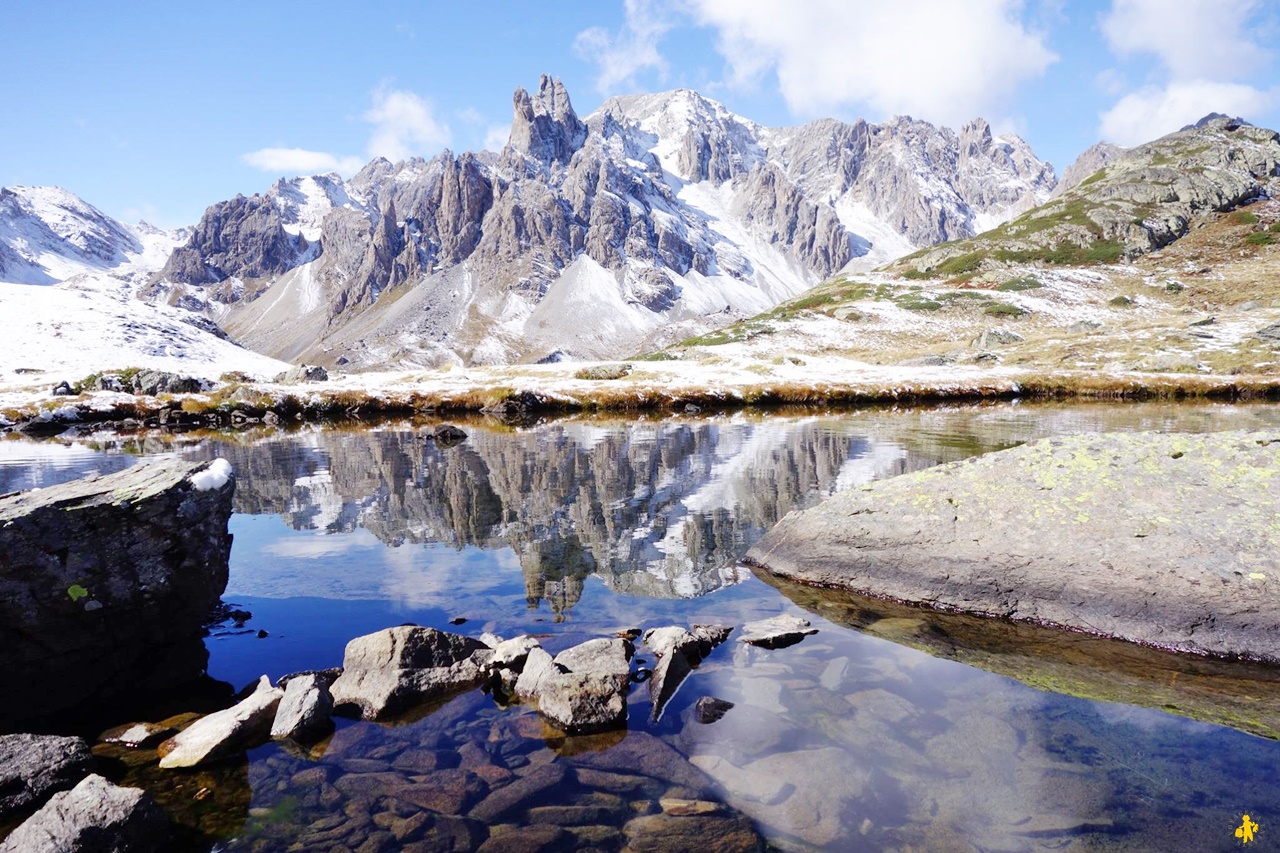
{"points": [[1140, 200], [68, 277], [654, 218], [48, 235], [1163, 259]]}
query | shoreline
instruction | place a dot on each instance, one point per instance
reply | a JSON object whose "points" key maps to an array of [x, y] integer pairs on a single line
{"points": [[518, 393]]}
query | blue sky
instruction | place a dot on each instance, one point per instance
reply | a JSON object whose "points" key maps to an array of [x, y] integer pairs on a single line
{"points": [[156, 109]]}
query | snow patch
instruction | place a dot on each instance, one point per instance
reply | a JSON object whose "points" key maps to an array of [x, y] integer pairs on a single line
{"points": [[213, 477]]}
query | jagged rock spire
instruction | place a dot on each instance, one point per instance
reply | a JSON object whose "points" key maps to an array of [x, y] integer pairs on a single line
{"points": [[545, 126]]}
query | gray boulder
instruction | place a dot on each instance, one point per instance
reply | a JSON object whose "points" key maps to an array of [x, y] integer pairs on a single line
{"points": [[32, 767], [777, 632], [996, 338], [1269, 333], [604, 656], [1168, 540], [107, 581], [305, 709], [584, 688], [302, 373], [677, 652], [224, 733], [152, 382], [93, 817], [388, 671]]}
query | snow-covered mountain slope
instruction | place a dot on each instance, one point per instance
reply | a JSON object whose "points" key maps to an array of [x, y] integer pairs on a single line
{"points": [[654, 218], [68, 274], [48, 235]]}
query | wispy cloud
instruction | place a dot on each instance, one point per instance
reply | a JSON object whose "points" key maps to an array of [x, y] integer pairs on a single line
{"points": [[403, 124], [620, 56], [300, 161], [495, 138], [1206, 51], [830, 55]]}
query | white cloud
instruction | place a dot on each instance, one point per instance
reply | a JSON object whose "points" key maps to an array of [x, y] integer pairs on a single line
{"points": [[619, 57], [1194, 39], [403, 125], [1206, 51], [934, 59], [495, 138], [1153, 111], [300, 161]]}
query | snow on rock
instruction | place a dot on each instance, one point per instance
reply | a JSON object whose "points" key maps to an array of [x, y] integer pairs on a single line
{"points": [[213, 477]]}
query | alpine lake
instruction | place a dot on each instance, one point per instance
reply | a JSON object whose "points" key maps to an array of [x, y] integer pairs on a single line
{"points": [[890, 729]]}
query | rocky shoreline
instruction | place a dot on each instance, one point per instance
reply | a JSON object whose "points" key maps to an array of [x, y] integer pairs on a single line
{"points": [[533, 391], [1164, 540]]}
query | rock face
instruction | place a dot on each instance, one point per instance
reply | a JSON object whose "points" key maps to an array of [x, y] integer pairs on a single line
{"points": [[106, 583], [93, 817], [224, 733], [1166, 540], [599, 234], [388, 671], [32, 767], [1135, 202]]}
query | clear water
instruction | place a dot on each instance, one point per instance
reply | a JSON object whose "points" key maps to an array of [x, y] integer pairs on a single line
{"points": [[888, 730]]}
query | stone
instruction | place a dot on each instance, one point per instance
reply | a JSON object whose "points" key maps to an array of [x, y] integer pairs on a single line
{"points": [[709, 709], [538, 838], [665, 833], [448, 435], [522, 793], [996, 338], [152, 382], [388, 671], [776, 632], [33, 767], [93, 817], [580, 703], [302, 373], [539, 666], [1269, 333], [62, 389], [645, 754], [444, 791], [305, 710], [611, 656], [224, 733], [512, 654], [147, 544], [1163, 539], [136, 734]]}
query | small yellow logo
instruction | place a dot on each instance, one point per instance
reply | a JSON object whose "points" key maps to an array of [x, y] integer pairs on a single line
{"points": [[1246, 830]]}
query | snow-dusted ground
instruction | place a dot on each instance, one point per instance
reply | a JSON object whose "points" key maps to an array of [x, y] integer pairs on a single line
{"points": [[91, 323]]}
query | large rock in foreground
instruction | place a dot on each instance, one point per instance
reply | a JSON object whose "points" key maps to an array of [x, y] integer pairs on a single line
{"points": [[1167, 540], [106, 581], [93, 817], [32, 767]]}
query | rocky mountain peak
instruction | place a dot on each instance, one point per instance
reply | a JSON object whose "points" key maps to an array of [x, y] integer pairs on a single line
{"points": [[545, 127]]}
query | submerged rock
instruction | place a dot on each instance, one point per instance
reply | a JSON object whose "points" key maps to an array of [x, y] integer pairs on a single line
{"points": [[32, 767], [93, 817], [149, 545], [709, 709], [224, 733], [777, 632], [390, 670], [677, 651], [1167, 540]]}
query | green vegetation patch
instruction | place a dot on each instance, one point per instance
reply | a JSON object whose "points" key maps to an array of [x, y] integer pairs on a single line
{"points": [[1274, 227], [1003, 309], [961, 264], [1260, 238], [1095, 177], [1243, 217], [1121, 302], [603, 371], [1026, 282]]}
